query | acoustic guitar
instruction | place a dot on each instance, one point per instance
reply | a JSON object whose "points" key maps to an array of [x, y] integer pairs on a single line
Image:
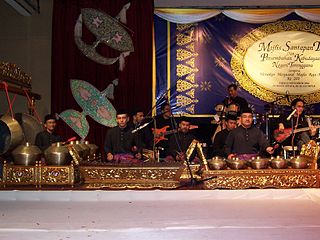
{"points": [[159, 134], [283, 135]]}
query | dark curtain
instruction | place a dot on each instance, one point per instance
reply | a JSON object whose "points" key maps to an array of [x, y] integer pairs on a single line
{"points": [[68, 62]]}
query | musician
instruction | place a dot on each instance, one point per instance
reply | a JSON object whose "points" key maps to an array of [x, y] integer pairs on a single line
{"points": [[179, 142], [234, 98], [219, 143], [164, 123], [144, 135], [121, 144], [246, 140], [47, 137], [297, 121]]}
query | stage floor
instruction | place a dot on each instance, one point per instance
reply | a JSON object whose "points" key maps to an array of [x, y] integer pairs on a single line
{"points": [[186, 214]]}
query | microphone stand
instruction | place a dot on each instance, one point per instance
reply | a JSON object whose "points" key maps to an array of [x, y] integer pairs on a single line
{"points": [[293, 134], [155, 151], [187, 160]]}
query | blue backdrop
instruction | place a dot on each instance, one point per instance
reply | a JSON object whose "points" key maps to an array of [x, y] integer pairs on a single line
{"points": [[193, 64]]}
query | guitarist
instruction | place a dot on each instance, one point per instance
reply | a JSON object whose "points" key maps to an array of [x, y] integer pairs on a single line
{"points": [[163, 123], [297, 121]]}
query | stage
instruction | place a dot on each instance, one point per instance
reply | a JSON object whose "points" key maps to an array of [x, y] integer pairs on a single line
{"points": [[161, 214]]}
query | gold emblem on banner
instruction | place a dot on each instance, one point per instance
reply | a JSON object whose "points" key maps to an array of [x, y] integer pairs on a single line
{"points": [[238, 55]]}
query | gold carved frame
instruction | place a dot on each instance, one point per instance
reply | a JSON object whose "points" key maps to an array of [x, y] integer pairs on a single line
{"points": [[249, 39]]}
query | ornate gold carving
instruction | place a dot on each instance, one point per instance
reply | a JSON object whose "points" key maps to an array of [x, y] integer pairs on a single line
{"points": [[56, 175], [135, 185], [12, 73], [26, 175], [132, 176], [183, 54], [205, 86], [184, 70], [184, 100], [282, 178], [38, 175], [195, 169], [249, 39], [184, 85], [74, 154], [201, 156]]}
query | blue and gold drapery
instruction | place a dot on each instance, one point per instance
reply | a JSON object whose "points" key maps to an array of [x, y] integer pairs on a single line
{"points": [[192, 60]]}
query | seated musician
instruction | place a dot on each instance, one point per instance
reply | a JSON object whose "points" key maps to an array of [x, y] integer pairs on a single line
{"points": [[247, 141], [47, 137], [234, 98], [163, 124], [179, 142], [298, 122], [219, 142], [144, 135], [120, 143]]}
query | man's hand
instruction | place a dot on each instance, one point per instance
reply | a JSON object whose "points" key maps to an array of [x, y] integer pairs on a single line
{"points": [[281, 127], [270, 150], [109, 157], [180, 156], [138, 155]]}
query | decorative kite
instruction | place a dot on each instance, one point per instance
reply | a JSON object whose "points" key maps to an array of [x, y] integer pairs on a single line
{"points": [[108, 30], [94, 103]]}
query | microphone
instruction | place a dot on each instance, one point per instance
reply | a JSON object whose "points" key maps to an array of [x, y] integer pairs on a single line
{"points": [[138, 128], [291, 114]]}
